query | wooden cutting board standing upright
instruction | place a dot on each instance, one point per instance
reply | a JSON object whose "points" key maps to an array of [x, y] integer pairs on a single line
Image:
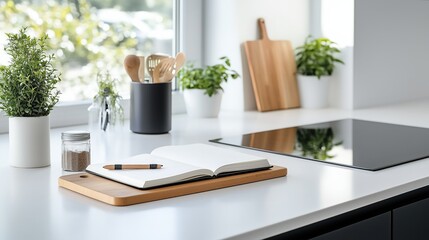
{"points": [[273, 72]]}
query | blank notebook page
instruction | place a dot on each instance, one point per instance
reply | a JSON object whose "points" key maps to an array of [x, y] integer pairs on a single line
{"points": [[204, 155]]}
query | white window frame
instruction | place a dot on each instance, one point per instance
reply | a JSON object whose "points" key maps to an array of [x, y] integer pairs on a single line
{"points": [[188, 38]]}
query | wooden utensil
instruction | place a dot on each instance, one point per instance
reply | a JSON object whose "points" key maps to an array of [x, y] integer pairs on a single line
{"points": [[180, 60], [141, 68], [131, 65], [163, 69], [272, 70], [152, 61], [168, 69]]}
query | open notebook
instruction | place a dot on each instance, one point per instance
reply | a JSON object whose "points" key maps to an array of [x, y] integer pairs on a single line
{"points": [[180, 164]]}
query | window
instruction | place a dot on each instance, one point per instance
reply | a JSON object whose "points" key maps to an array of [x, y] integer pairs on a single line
{"points": [[90, 36]]}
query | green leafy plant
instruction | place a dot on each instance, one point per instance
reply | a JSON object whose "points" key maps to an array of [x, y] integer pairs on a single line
{"points": [[27, 85], [109, 99], [316, 142], [317, 57], [209, 78], [107, 87]]}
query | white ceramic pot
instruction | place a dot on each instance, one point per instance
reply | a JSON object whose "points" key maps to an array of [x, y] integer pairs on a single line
{"points": [[313, 92], [201, 105], [29, 143]]}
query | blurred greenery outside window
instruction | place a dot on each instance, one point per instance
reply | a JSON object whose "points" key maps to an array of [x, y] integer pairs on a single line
{"points": [[90, 36]]}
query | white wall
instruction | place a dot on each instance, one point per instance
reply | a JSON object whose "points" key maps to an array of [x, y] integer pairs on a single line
{"points": [[334, 19], [386, 63], [229, 23], [391, 52], [341, 86]]}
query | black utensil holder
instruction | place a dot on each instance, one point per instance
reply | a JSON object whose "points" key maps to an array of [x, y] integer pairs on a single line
{"points": [[150, 108]]}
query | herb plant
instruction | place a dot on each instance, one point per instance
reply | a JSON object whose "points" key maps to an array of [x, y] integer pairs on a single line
{"points": [[27, 85], [107, 88], [317, 57], [209, 78], [108, 100]]}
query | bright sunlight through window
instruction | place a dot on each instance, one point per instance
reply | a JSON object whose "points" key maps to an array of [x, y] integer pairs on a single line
{"points": [[90, 36]]}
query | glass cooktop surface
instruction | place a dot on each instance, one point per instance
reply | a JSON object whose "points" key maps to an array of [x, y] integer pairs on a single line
{"points": [[350, 142]]}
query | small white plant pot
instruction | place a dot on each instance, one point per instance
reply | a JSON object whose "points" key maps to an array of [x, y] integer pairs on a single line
{"points": [[200, 105], [313, 92], [29, 142]]}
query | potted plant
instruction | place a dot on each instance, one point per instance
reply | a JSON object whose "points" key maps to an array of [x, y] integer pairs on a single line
{"points": [[315, 64], [27, 95], [106, 109], [202, 87]]}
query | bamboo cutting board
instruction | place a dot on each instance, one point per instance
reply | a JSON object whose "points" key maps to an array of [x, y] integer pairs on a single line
{"points": [[272, 70], [119, 194]]}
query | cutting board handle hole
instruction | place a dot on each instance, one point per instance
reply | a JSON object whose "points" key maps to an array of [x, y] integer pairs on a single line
{"points": [[83, 176]]}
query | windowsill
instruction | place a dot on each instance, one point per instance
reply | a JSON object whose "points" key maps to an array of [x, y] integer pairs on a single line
{"points": [[76, 113]]}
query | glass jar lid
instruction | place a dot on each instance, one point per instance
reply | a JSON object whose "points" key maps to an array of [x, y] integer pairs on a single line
{"points": [[75, 135]]}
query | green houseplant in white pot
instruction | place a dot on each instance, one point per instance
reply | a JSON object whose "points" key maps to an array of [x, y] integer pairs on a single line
{"points": [[202, 87], [27, 95], [315, 64]]}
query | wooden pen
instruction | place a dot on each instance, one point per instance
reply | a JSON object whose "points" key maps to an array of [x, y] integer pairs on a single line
{"points": [[132, 166]]}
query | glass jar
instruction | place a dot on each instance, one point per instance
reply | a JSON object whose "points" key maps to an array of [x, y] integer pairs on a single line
{"points": [[76, 150]]}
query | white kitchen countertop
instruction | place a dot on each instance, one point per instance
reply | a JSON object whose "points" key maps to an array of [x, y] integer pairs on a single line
{"points": [[32, 206]]}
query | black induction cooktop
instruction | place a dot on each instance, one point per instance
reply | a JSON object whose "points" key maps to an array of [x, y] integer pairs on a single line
{"points": [[349, 142]]}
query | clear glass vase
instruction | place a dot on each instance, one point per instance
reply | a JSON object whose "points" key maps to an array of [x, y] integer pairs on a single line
{"points": [[105, 113]]}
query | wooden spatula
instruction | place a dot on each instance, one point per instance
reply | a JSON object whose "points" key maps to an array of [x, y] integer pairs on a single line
{"points": [[162, 69], [180, 60], [167, 69], [153, 60]]}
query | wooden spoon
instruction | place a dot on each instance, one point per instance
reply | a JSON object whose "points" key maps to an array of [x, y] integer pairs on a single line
{"points": [[131, 64], [169, 71]]}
